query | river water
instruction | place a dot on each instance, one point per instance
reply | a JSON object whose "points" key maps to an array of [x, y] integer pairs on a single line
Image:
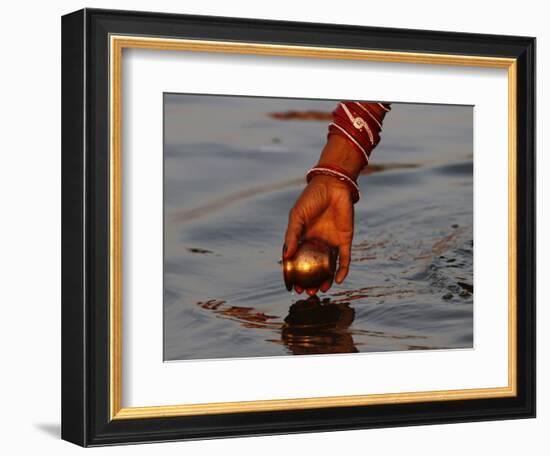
{"points": [[234, 167]]}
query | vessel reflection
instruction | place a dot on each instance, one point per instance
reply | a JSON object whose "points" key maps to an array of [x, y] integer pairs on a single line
{"points": [[313, 327]]}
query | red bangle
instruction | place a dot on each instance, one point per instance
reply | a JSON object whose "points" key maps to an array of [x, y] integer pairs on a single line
{"points": [[335, 129], [338, 169], [360, 124], [339, 173]]}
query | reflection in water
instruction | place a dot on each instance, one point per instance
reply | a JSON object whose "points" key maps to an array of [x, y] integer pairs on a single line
{"points": [[246, 316], [316, 327], [311, 327]]}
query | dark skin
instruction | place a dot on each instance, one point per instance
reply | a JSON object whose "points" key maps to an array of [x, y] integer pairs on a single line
{"points": [[324, 210]]}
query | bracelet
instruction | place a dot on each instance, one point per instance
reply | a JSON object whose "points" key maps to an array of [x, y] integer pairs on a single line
{"points": [[359, 124], [335, 129], [339, 173]]}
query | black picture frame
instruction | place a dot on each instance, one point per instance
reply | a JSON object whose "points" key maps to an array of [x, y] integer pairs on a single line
{"points": [[85, 224]]}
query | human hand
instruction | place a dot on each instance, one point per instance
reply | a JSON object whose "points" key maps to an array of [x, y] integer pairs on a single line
{"points": [[323, 211]]}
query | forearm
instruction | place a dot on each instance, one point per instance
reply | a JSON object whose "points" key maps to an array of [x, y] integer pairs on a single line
{"points": [[338, 151], [353, 134]]}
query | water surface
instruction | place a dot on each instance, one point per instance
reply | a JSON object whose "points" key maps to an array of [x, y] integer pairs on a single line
{"points": [[233, 171]]}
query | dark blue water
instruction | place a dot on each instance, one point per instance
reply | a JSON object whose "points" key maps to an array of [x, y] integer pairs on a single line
{"points": [[232, 172]]}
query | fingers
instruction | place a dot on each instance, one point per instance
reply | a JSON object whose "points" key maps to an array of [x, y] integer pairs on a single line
{"points": [[292, 236], [311, 291], [298, 289], [344, 252], [325, 286]]}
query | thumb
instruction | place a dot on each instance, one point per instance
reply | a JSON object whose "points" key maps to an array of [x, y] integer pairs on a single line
{"points": [[293, 233], [344, 261]]}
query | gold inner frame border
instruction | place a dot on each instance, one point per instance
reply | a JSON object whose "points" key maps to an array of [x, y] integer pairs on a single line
{"points": [[116, 46]]}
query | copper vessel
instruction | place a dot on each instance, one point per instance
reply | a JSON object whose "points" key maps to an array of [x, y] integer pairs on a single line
{"points": [[313, 263]]}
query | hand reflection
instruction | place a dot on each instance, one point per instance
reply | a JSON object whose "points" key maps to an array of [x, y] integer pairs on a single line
{"points": [[313, 327]]}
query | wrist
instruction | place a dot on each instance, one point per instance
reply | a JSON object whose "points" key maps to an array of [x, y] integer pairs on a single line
{"points": [[333, 186], [336, 175], [332, 182]]}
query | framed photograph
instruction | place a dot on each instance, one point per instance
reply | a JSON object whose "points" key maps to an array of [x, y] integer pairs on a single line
{"points": [[279, 227]]}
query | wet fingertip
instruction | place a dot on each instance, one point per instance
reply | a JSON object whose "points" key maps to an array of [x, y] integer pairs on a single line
{"points": [[325, 287], [298, 289], [288, 252], [312, 291], [291, 250]]}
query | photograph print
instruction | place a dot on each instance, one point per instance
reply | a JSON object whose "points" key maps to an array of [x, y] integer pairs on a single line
{"points": [[315, 227]]}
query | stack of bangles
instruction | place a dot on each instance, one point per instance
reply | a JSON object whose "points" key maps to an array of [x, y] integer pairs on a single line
{"points": [[360, 124], [339, 173]]}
